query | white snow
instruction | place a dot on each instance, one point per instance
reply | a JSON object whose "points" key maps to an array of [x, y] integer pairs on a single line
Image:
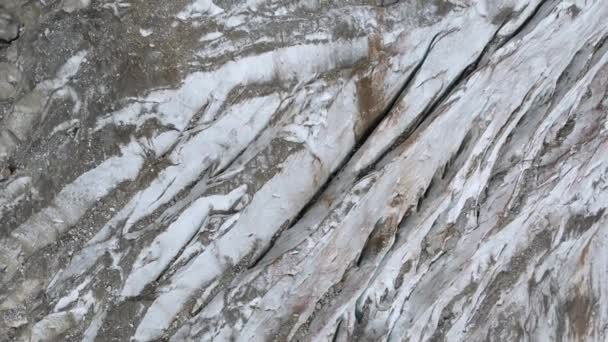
{"points": [[199, 8], [154, 259], [145, 32], [211, 36]]}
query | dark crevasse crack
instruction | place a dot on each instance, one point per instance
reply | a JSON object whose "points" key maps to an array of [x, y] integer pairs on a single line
{"points": [[540, 11], [394, 101], [267, 248], [334, 176], [337, 332], [430, 112], [392, 104], [405, 86], [494, 44]]}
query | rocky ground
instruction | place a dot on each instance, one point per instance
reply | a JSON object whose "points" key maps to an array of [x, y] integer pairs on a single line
{"points": [[303, 170]]}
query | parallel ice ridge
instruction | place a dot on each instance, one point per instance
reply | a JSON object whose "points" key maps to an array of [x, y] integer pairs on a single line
{"points": [[373, 171]]}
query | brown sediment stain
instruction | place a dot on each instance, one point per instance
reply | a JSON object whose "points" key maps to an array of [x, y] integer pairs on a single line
{"points": [[370, 87], [579, 311], [371, 98], [328, 199], [375, 44], [582, 260], [365, 96]]}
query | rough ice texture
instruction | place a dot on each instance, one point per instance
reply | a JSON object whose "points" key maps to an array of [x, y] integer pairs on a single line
{"points": [[264, 170]]}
